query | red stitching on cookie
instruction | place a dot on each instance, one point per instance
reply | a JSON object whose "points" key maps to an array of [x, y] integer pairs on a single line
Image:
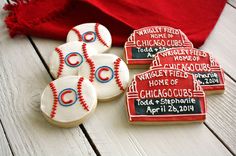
{"points": [[77, 33], [116, 73], [80, 96], [99, 35], [90, 62], [61, 59], [55, 101]]}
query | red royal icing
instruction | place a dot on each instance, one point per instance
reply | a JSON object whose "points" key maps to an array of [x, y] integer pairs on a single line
{"points": [[69, 61], [55, 100], [80, 95], [116, 73], [61, 60], [100, 74], [145, 42], [165, 95], [90, 62], [99, 35], [63, 97], [78, 34], [205, 68], [89, 36]]}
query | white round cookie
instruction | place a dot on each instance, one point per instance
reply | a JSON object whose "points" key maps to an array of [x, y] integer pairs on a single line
{"points": [[108, 73], [66, 59], [93, 34], [68, 101]]}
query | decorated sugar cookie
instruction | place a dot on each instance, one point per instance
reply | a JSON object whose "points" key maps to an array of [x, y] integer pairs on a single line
{"points": [[144, 43], [108, 73], [67, 58], [93, 34], [200, 63], [164, 96], [68, 101]]}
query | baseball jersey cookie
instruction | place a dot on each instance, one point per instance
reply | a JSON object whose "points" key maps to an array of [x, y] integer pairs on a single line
{"points": [[67, 58], [94, 34], [205, 68], [68, 101], [165, 96], [108, 73], [144, 43]]}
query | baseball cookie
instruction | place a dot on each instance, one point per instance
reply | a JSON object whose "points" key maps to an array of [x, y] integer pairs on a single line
{"points": [[165, 96], [94, 34], [67, 58], [68, 101], [144, 43], [205, 68], [108, 73]]}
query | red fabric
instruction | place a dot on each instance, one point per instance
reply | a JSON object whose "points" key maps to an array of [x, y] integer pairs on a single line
{"points": [[54, 18]]}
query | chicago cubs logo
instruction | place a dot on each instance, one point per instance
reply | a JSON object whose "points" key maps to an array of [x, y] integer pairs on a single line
{"points": [[74, 59], [67, 97], [104, 74], [89, 36]]}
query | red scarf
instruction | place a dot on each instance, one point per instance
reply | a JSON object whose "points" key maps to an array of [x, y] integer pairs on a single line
{"points": [[54, 18]]}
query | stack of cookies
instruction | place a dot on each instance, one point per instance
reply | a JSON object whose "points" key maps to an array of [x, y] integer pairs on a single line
{"points": [[173, 88], [84, 74]]}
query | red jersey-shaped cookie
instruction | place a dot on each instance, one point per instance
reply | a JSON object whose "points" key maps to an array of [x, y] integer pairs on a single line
{"points": [[144, 43], [205, 68], [165, 95]]}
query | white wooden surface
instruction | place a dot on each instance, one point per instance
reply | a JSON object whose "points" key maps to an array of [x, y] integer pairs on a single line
{"points": [[4, 146], [221, 108], [222, 41], [221, 116], [23, 77], [232, 2]]}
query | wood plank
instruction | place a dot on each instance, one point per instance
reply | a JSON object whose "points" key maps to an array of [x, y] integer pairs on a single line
{"points": [[4, 146], [221, 116], [112, 135], [23, 78], [221, 42]]}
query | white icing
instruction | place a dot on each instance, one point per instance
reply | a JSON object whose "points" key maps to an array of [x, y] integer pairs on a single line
{"points": [[110, 89], [83, 28], [66, 49], [75, 111]]}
